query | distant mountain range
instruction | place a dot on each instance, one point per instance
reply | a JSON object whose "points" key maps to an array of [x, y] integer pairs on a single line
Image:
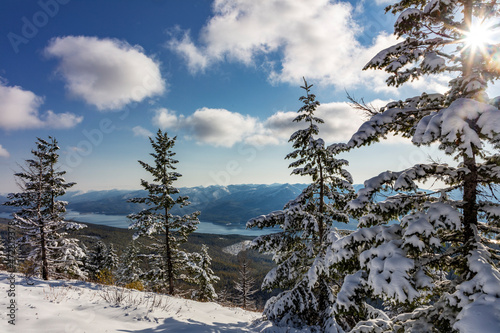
{"points": [[234, 204]]}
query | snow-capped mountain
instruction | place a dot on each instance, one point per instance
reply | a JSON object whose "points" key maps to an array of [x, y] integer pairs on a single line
{"points": [[233, 204]]}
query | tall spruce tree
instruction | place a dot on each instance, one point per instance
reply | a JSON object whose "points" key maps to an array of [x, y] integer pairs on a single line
{"points": [[203, 276], [305, 222], [436, 269], [40, 219], [169, 231]]}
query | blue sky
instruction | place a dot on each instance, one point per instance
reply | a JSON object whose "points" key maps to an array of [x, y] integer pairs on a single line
{"points": [[223, 76]]}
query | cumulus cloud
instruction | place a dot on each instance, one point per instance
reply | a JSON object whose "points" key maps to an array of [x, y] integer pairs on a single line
{"points": [[106, 73], [4, 152], [141, 131], [217, 127], [317, 39], [220, 127], [341, 121], [61, 120], [165, 118], [19, 109]]}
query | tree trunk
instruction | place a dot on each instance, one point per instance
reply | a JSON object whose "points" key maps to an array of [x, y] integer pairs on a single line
{"points": [[41, 225], [470, 180], [321, 227], [467, 13], [470, 197], [170, 267], [43, 245], [467, 62]]}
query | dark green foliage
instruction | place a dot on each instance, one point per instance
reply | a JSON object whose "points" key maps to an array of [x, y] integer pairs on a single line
{"points": [[168, 262], [202, 275], [129, 265], [435, 260], [40, 219], [298, 249]]}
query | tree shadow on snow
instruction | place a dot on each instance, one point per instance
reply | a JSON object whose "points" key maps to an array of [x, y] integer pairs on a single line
{"points": [[193, 326]]}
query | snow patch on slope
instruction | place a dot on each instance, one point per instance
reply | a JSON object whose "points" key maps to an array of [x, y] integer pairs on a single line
{"points": [[237, 248], [75, 306]]}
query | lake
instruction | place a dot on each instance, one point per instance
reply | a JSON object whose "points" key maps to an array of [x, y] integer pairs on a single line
{"points": [[121, 221]]}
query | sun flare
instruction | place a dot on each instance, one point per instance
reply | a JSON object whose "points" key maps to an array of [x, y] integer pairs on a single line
{"points": [[478, 36]]}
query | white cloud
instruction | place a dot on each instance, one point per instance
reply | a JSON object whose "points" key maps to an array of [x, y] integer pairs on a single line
{"points": [[263, 140], [341, 121], [219, 127], [436, 83], [4, 152], [19, 109], [316, 39], [141, 131], [197, 61], [165, 118], [61, 120], [107, 73]]}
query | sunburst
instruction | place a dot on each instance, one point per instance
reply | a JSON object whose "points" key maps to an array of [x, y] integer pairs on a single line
{"points": [[478, 36], [480, 45]]}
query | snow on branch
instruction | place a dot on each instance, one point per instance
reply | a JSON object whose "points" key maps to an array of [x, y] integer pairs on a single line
{"points": [[461, 126]]}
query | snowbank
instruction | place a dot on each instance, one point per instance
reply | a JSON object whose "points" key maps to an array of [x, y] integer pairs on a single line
{"points": [[77, 307]]}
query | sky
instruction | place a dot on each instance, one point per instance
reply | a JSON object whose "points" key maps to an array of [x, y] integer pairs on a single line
{"points": [[222, 76]]}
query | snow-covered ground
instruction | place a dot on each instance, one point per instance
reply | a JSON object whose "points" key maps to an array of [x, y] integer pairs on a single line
{"points": [[76, 307], [237, 248]]}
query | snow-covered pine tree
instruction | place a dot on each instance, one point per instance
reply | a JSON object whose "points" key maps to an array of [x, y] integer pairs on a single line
{"points": [[72, 255], [436, 268], [97, 260], [203, 276], [129, 266], [41, 217], [112, 259], [245, 286], [168, 231], [304, 222]]}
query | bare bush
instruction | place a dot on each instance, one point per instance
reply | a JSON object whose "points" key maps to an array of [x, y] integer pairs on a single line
{"points": [[127, 297], [56, 294]]}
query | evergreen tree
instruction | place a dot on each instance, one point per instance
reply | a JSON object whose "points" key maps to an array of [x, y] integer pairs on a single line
{"points": [[98, 260], [129, 266], [203, 276], [73, 256], [168, 231], [224, 297], [300, 246], [112, 258], [245, 286], [436, 269], [41, 220]]}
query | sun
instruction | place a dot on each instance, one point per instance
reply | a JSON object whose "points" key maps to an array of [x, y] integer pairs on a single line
{"points": [[478, 36]]}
